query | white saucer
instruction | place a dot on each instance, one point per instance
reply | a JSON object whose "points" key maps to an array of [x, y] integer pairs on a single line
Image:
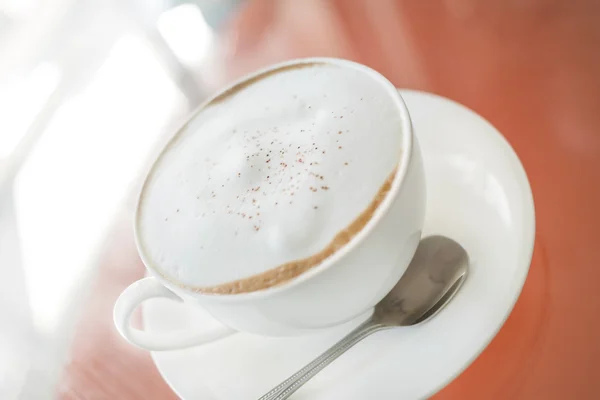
{"points": [[479, 195]]}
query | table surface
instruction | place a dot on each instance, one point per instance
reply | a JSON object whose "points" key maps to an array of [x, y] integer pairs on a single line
{"points": [[530, 67]]}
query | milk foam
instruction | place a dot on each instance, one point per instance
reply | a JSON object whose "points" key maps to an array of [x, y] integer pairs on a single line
{"points": [[268, 175]]}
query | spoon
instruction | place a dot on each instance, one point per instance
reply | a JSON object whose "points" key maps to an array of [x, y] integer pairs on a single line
{"points": [[434, 276]]}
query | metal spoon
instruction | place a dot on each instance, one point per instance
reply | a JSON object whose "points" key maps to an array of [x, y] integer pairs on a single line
{"points": [[435, 274]]}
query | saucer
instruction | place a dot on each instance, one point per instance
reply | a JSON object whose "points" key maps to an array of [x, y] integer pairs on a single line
{"points": [[477, 194]]}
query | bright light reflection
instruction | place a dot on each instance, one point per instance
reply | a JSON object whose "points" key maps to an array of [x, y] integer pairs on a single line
{"points": [[75, 179], [494, 194], [17, 8], [21, 99], [486, 184], [186, 32]]}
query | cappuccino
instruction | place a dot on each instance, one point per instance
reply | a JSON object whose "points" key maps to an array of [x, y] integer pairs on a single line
{"points": [[270, 178]]}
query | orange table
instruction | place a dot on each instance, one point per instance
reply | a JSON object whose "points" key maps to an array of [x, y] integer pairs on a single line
{"points": [[532, 68]]}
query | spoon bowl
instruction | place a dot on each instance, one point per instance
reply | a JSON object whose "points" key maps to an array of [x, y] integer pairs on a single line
{"points": [[434, 275]]}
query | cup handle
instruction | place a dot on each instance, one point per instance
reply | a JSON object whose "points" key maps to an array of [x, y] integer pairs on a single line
{"points": [[149, 288]]}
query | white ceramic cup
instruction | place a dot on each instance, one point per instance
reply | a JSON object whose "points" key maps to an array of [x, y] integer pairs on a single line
{"points": [[342, 287]]}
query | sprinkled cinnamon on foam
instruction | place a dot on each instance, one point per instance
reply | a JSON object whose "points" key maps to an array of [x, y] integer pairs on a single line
{"points": [[277, 145]]}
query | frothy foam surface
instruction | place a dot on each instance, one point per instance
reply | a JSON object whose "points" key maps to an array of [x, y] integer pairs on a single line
{"points": [[269, 173]]}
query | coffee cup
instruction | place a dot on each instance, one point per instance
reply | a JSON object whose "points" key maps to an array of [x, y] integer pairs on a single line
{"points": [[198, 220]]}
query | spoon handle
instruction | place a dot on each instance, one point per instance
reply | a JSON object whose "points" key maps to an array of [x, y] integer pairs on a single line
{"points": [[286, 388]]}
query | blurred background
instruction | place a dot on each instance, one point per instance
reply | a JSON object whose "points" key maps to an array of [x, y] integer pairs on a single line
{"points": [[88, 89], [91, 89]]}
